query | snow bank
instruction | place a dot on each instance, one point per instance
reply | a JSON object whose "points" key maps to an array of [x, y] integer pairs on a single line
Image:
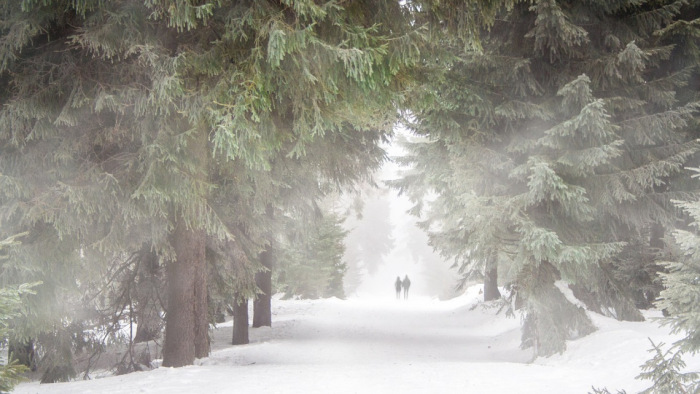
{"points": [[385, 345]]}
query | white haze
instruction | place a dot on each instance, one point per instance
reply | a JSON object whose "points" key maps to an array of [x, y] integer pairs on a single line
{"points": [[374, 275]]}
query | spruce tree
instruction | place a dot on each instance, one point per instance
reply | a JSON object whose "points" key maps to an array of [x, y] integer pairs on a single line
{"points": [[665, 369], [11, 370], [680, 298], [550, 151], [311, 265]]}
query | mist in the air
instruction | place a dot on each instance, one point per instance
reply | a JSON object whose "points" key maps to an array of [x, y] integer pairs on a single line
{"points": [[384, 242]]}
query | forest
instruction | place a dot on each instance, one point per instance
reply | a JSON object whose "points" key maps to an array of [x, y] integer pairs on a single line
{"points": [[166, 162]]}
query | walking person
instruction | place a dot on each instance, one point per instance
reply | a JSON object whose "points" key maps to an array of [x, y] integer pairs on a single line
{"points": [[397, 284], [406, 284]]}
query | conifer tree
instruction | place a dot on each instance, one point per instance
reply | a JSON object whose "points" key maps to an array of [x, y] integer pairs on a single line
{"points": [[11, 370], [681, 295], [312, 266], [680, 299], [665, 369], [551, 151]]}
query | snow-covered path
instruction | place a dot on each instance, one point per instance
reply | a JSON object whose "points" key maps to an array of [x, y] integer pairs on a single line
{"points": [[390, 346], [356, 332]]}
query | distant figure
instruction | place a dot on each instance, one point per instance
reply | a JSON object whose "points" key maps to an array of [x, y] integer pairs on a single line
{"points": [[406, 284], [397, 284]]}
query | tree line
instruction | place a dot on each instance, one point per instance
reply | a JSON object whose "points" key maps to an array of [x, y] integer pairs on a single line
{"points": [[170, 158]]}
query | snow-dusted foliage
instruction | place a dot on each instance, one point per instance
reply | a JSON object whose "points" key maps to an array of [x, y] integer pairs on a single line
{"points": [[554, 153]]}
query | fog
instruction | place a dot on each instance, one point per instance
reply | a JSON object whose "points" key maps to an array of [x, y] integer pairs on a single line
{"points": [[384, 242]]}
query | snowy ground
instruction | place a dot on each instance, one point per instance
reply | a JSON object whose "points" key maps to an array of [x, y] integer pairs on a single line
{"points": [[390, 346]]}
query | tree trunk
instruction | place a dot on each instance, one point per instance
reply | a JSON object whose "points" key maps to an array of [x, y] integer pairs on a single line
{"points": [[262, 306], [201, 308], [656, 238], [551, 318], [240, 322], [491, 282], [187, 323], [23, 353], [179, 347], [147, 287], [219, 313], [647, 296], [608, 297], [56, 362]]}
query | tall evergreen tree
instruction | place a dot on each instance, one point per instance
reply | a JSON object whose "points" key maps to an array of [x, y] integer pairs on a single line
{"points": [[10, 307], [552, 150], [681, 295], [312, 265]]}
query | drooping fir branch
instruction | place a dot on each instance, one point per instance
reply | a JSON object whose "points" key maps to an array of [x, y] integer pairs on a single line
{"points": [[665, 370]]}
